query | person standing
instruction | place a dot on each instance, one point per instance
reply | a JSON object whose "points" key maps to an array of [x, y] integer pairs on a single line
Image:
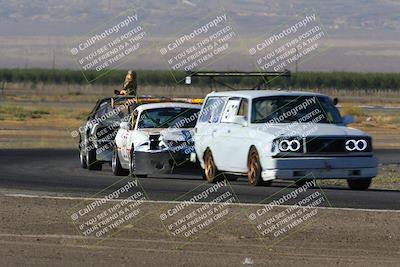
{"points": [[130, 84]]}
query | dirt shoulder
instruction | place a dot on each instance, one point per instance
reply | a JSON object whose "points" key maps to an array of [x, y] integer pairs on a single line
{"points": [[38, 231]]}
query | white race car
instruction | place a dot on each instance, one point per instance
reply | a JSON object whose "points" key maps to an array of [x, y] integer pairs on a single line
{"points": [[157, 139], [269, 135]]}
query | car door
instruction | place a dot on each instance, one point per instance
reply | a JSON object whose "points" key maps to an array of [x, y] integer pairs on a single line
{"points": [[101, 112], [126, 136], [223, 135], [207, 124], [237, 138]]}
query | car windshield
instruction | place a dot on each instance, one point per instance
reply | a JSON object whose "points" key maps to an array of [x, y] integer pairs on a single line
{"points": [[174, 117], [286, 109], [107, 112]]}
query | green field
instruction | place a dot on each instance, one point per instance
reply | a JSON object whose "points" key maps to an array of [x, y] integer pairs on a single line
{"points": [[336, 80]]}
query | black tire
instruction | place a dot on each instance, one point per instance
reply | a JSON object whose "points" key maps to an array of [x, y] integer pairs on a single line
{"points": [[82, 159], [91, 161], [254, 169], [116, 165], [210, 173], [359, 184]]}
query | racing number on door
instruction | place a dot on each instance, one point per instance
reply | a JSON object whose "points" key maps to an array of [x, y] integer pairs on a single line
{"points": [[124, 147]]}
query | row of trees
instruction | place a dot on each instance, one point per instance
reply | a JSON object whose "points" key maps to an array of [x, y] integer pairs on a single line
{"points": [[338, 80], [79, 77]]}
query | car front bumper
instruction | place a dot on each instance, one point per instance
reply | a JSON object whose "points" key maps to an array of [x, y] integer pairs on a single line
{"points": [[162, 162], [319, 168]]}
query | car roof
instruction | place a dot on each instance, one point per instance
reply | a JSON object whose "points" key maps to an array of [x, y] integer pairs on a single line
{"points": [[116, 97], [167, 105], [262, 93]]}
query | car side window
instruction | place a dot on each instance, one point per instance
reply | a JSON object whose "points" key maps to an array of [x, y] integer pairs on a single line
{"points": [[212, 109], [103, 109], [231, 109], [244, 108]]}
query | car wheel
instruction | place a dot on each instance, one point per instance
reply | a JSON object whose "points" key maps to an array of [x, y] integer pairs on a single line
{"points": [[116, 165], [254, 169], [210, 170], [82, 159], [91, 161], [359, 184]]}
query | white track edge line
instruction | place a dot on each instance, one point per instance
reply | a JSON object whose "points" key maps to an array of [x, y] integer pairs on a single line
{"points": [[196, 203]]}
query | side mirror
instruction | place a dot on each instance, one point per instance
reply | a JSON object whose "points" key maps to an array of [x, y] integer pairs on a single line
{"points": [[124, 125], [336, 101], [348, 119], [237, 119]]}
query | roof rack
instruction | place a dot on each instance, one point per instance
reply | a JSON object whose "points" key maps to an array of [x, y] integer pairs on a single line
{"points": [[262, 75]]}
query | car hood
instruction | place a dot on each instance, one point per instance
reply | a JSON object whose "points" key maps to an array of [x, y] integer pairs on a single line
{"points": [[307, 129]]}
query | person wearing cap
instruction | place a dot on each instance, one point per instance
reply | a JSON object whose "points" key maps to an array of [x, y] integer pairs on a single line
{"points": [[130, 84]]}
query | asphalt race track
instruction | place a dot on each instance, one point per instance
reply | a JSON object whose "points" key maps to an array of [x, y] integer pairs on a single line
{"points": [[57, 172]]}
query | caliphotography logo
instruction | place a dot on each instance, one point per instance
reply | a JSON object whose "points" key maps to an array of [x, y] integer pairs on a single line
{"points": [[206, 41], [109, 211], [199, 133], [109, 45]]}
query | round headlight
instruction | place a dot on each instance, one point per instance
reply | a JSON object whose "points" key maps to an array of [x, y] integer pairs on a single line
{"points": [[283, 145], [289, 145], [359, 145]]}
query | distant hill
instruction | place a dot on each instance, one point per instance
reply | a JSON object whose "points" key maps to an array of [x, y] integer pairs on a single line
{"points": [[363, 35], [252, 17]]}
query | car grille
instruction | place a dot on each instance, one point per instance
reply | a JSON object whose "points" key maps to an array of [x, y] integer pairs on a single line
{"points": [[331, 144], [154, 141], [317, 145]]}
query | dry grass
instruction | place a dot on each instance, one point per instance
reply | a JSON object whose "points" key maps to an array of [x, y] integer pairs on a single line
{"points": [[376, 96], [384, 120], [38, 126], [89, 93], [10, 111], [353, 110], [23, 112], [370, 119]]}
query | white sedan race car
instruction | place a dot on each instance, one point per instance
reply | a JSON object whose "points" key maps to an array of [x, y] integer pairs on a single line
{"points": [[156, 140], [281, 135]]}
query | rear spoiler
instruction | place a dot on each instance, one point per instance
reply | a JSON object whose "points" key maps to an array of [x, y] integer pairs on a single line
{"points": [[262, 75], [148, 100]]}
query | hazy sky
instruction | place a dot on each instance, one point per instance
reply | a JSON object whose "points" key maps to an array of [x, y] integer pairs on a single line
{"points": [[359, 35]]}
